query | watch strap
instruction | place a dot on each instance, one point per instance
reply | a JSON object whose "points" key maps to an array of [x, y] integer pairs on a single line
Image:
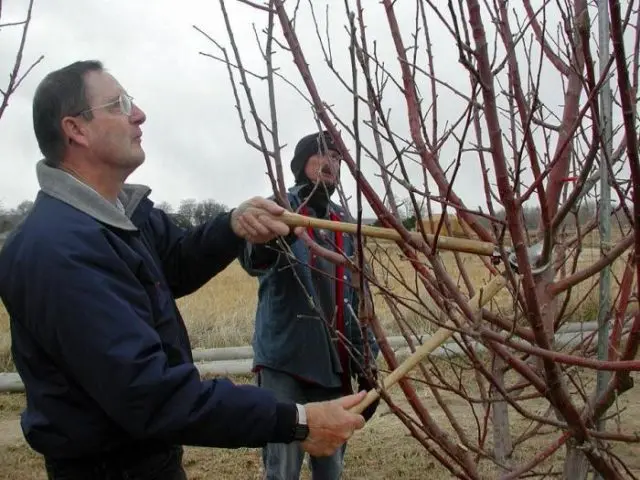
{"points": [[301, 429], [302, 414]]}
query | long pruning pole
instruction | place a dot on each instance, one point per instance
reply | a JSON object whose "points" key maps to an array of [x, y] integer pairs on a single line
{"points": [[481, 298], [465, 245]]}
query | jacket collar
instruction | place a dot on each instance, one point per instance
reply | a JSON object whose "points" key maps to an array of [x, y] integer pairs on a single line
{"points": [[68, 189], [332, 206]]}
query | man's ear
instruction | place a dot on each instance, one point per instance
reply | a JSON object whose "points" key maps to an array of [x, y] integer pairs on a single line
{"points": [[75, 130]]}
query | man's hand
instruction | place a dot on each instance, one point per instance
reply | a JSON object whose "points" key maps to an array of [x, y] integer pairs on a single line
{"points": [[256, 220], [331, 424]]}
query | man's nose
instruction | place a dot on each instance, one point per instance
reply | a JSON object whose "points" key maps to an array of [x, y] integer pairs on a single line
{"points": [[138, 116]]}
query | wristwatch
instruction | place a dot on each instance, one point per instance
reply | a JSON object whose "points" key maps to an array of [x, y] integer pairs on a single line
{"points": [[301, 429]]}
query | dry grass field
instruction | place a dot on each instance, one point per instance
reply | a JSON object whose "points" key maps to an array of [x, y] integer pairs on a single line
{"points": [[220, 314]]}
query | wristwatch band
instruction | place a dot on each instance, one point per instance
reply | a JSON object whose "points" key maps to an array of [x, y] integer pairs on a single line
{"points": [[302, 414], [301, 429]]}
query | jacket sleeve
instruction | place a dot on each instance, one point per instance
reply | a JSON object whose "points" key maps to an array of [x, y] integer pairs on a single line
{"points": [[93, 315], [258, 259], [362, 349], [191, 257]]}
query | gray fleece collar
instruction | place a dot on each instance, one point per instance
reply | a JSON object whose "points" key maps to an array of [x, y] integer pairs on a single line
{"points": [[66, 188]]}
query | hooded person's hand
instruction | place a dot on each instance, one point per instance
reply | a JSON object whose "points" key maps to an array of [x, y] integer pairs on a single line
{"points": [[256, 220]]}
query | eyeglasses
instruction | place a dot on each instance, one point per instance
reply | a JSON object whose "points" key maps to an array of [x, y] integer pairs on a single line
{"points": [[124, 101]]}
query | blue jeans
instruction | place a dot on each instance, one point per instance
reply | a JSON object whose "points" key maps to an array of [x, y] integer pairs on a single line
{"points": [[284, 461]]}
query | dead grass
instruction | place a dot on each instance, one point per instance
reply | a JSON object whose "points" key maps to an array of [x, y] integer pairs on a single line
{"points": [[383, 450], [221, 314], [379, 452]]}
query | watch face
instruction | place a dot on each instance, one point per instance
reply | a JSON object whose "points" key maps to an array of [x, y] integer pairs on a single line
{"points": [[300, 432]]}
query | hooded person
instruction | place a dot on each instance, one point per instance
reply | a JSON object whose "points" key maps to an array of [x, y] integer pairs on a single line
{"points": [[316, 169], [308, 343]]}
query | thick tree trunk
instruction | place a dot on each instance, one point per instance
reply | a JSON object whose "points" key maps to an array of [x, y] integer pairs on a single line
{"points": [[576, 465]]}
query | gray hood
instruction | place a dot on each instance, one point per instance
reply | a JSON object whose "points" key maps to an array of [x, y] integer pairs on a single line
{"points": [[66, 188]]}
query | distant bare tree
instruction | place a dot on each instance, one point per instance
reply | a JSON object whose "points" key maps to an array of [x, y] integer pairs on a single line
{"points": [[186, 214], [192, 213], [17, 74], [166, 207], [207, 209], [23, 208]]}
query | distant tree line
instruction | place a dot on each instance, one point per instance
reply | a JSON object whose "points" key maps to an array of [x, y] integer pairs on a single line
{"points": [[190, 213], [10, 218], [586, 212]]}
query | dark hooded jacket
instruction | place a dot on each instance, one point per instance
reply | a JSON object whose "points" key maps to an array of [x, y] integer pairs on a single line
{"points": [[300, 299], [96, 334]]}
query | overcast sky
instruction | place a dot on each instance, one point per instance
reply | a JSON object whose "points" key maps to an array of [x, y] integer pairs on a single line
{"points": [[192, 136]]}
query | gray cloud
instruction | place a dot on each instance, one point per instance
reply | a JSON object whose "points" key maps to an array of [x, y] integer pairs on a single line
{"points": [[192, 137]]}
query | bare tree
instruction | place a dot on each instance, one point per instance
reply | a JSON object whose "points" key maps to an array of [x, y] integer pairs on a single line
{"points": [[495, 116], [207, 209], [17, 74], [166, 207]]}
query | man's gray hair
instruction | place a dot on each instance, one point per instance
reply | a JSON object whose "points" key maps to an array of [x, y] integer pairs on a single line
{"points": [[62, 93]]}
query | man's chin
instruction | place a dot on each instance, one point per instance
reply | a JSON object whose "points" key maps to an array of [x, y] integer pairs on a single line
{"points": [[138, 157], [131, 164]]}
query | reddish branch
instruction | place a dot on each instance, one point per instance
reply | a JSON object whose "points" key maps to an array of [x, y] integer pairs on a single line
{"points": [[428, 159], [596, 138], [621, 310], [519, 345], [526, 115], [622, 380], [570, 114], [557, 392], [628, 101], [539, 458], [425, 373], [588, 272], [456, 452], [561, 358], [364, 61], [546, 48]]}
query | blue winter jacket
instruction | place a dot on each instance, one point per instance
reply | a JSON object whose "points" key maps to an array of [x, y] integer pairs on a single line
{"points": [[98, 339], [296, 317]]}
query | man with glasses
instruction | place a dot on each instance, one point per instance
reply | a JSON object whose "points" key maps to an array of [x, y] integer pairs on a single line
{"points": [[90, 279], [308, 343]]}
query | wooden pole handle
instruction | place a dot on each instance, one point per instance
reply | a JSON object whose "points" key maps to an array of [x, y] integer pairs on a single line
{"points": [[444, 242], [481, 298]]}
